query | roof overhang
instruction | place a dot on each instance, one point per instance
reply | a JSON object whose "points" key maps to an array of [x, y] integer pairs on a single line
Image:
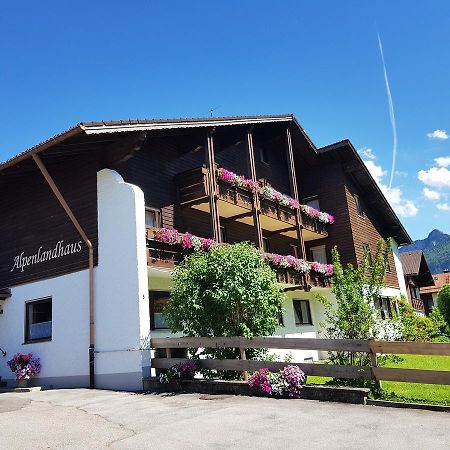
{"points": [[346, 153]]}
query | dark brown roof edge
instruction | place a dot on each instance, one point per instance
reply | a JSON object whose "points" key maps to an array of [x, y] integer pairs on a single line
{"points": [[347, 142], [42, 146], [82, 126]]}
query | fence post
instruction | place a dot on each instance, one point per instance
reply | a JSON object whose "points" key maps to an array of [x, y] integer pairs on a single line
{"points": [[244, 358], [374, 362]]}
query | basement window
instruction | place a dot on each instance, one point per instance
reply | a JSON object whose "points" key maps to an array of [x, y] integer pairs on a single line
{"points": [[38, 320]]}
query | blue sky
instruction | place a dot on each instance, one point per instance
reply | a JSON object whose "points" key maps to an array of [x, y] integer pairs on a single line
{"points": [[66, 62]]}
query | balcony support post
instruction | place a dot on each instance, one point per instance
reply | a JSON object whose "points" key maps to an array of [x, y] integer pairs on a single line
{"points": [[256, 204], [294, 190], [214, 210]]}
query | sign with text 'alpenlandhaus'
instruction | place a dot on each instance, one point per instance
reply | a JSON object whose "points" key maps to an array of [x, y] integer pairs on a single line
{"points": [[23, 261]]}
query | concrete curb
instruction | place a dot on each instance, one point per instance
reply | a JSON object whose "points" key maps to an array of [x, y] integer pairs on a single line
{"points": [[27, 389], [214, 387], [425, 406]]}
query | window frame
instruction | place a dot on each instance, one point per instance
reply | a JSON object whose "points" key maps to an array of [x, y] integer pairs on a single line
{"points": [[266, 244], [152, 296], [310, 199], [158, 216], [301, 319], [28, 303], [264, 156], [359, 207]]}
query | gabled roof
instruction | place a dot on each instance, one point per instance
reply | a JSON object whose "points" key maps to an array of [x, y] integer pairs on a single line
{"points": [[411, 262], [344, 150], [353, 165], [414, 264]]}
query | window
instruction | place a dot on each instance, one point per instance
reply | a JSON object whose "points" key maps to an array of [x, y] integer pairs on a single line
{"points": [[313, 202], [368, 253], [359, 208], [264, 155], [223, 234], [319, 254], [152, 217], [158, 300], [385, 307], [38, 320], [294, 250], [302, 312], [266, 245]]}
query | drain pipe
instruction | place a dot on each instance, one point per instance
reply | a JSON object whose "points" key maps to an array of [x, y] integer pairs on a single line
{"points": [[88, 243]]}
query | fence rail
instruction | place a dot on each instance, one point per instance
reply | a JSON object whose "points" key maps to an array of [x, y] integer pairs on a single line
{"points": [[371, 347]]}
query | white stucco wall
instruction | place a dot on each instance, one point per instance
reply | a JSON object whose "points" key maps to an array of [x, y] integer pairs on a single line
{"points": [[64, 359], [122, 321], [399, 268]]}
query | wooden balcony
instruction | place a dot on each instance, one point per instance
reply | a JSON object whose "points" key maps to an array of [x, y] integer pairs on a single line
{"points": [[312, 228], [418, 305], [160, 254], [233, 201], [237, 203]]}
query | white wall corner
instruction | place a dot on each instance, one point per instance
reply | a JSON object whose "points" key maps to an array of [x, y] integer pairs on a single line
{"points": [[399, 268], [122, 322]]}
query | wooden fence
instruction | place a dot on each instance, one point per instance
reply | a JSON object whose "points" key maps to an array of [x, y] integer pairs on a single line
{"points": [[371, 347]]}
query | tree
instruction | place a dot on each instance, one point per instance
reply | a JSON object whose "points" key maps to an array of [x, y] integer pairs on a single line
{"points": [[444, 302], [357, 291], [227, 291]]}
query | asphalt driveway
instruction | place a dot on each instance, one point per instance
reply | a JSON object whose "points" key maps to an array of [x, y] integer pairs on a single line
{"points": [[83, 419]]}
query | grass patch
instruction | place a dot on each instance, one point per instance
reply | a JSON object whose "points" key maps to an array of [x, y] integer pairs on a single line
{"points": [[416, 392], [408, 392]]}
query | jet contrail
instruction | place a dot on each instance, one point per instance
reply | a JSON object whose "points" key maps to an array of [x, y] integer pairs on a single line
{"points": [[391, 113]]}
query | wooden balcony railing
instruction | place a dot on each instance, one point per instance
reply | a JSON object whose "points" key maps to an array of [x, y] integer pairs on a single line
{"points": [[164, 255], [312, 224], [235, 201], [276, 211], [417, 304]]}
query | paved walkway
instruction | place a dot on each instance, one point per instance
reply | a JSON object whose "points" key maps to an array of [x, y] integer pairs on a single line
{"points": [[83, 419]]}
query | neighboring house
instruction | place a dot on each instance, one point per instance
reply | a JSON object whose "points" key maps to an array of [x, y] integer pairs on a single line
{"points": [[417, 276], [430, 293], [84, 273]]}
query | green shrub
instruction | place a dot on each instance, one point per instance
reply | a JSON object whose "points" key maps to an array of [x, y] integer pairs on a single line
{"points": [[227, 291], [444, 302]]}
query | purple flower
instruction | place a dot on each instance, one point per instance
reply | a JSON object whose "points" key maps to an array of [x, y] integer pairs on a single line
{"points": [[24, 366]]}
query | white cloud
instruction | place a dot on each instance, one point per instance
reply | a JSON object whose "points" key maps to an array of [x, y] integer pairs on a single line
{"points": [[401, 173], [443, 206], [402, 206], [367, 153], [430, 194], [438, 134], [437, 177], [443, 161]]}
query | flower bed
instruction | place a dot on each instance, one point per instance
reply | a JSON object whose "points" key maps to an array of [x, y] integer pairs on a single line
{"points": [[326, 270], [186, 240], [269, 193], [321, 216], [24, 366], [185, 370], [236, 180], [284, 262], [287, 382]]}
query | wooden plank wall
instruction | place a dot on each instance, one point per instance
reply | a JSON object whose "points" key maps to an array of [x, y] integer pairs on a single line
{"points": [[32, 217]]}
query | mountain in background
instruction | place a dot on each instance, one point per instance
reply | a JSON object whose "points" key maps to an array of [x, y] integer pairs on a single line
{"points": [[436, 248]]}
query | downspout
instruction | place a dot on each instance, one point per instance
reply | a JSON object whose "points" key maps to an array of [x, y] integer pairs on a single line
{"points": [[88, 243]]}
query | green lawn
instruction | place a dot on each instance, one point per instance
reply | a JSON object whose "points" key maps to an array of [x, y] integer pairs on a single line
{"points": [[414, 392], [411, 392]]}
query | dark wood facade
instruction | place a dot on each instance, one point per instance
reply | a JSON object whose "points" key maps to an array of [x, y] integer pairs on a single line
{"points": [[176, 169]]}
